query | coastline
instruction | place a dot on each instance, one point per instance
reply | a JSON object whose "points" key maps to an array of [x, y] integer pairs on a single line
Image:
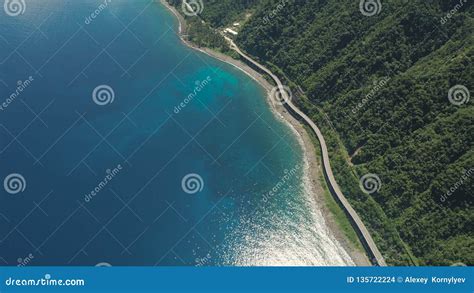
{"points": [[313, 167]]}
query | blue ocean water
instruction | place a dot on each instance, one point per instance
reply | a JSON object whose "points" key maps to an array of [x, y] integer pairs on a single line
{"points": [[104, 115]]}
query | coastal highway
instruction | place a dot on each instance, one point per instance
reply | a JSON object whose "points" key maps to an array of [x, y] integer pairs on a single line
{"points": [[334, 187]]}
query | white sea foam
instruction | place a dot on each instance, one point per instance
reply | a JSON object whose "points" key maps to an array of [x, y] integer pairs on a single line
{"points": [[296, 235]]}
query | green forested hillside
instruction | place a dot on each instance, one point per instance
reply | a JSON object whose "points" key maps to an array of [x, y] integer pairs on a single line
{"points": [[216, 14], [378, 86]]}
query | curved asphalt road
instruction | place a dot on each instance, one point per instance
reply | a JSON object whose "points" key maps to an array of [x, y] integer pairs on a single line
{"points": [[334, 187]]}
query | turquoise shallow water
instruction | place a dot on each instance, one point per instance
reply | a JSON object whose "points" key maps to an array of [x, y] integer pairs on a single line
{"points": [[104, 177]]}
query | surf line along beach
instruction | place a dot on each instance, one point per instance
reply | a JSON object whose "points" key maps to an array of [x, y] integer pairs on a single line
{"points": [[312, 168]]}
